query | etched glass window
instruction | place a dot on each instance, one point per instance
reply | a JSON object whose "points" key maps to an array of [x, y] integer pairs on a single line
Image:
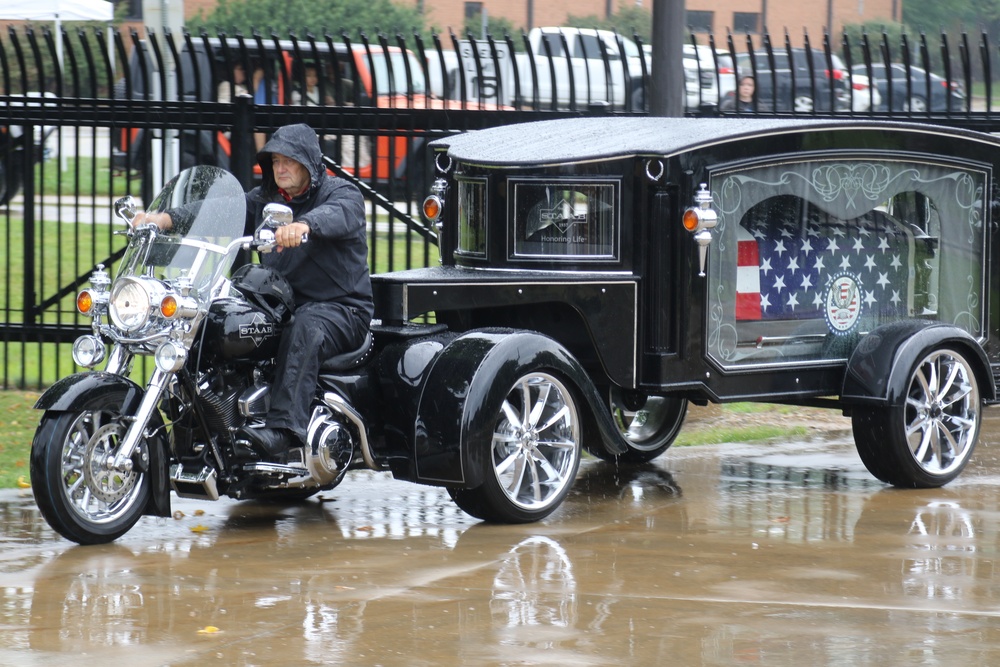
{"points": [[565, 220], [810, 256], [472, 218]]}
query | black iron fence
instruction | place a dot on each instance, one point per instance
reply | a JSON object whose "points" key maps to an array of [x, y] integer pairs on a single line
{"points": [[99, 114]]}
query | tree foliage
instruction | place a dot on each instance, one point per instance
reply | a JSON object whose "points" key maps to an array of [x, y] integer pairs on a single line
{"points": [[628, 21], [310, 16]]}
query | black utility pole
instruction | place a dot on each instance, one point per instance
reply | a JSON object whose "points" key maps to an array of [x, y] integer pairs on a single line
{"points": [[666, 95]]}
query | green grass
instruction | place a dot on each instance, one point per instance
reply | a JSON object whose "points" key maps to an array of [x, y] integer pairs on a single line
{"points": [[753, 433], [17, 423]]}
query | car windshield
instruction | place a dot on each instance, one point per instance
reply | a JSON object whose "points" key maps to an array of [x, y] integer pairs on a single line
{"points": [[401, 69]]}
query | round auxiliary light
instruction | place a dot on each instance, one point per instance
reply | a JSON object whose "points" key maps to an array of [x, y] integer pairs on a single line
{"points": [[88, 351], [170, 357]]}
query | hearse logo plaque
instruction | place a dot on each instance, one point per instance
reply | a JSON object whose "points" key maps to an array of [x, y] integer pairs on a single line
{"points": [[843, 303], [562, 216]]}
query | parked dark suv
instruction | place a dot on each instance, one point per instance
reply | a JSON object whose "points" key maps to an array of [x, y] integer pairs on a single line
{"points": [[814, 83], [916, 90]]}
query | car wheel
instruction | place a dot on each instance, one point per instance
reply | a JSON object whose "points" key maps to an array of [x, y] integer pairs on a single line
{"points": [[916, 104], [802, 104], [534, 454], [926, 439], [648, 424]]}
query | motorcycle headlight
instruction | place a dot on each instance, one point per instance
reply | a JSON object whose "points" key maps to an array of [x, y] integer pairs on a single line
{"points": [[131, 303]]}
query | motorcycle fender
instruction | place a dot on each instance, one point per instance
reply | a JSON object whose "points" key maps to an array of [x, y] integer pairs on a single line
{"points": [[82, 391], [464, 389], [879, 368]]}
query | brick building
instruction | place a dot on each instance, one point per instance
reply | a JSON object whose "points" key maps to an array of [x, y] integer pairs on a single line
{"points": [[717, 16]]}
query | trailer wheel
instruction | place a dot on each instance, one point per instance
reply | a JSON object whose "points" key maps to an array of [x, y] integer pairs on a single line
{"points": [[927, 438], [534, 454]]}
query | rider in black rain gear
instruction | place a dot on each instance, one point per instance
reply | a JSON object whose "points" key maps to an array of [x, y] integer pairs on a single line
{"points": [[328, 275]]}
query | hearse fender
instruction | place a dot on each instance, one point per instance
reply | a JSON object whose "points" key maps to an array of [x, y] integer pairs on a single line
{"points": [[878, 371], [92, 391], [463, 392]]}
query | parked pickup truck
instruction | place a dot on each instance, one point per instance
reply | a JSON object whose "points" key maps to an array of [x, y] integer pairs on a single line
{"points": [[563, 68]]}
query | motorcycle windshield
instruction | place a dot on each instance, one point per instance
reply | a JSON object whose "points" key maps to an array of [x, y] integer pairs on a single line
{"points": [[207, 207]]}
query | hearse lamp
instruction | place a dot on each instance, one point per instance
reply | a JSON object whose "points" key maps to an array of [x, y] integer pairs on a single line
{"points": [[434, 203], [698, 220]]}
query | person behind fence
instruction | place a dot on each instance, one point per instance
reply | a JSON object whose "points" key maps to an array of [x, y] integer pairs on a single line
{"points": [[328, 274], [743, 100], [310, 95]]}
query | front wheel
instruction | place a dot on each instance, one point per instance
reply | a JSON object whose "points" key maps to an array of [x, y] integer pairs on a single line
{"points": [[534, 454], [78, 495], [927, 440]]}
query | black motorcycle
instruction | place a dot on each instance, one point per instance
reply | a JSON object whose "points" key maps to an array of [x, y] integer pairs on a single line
{"points": [[489, 414]]}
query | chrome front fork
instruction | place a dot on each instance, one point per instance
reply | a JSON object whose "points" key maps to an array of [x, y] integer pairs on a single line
{"points": [[154, 390]]}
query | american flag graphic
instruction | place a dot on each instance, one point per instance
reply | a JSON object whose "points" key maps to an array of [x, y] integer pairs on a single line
{"points": [[785, 270]]}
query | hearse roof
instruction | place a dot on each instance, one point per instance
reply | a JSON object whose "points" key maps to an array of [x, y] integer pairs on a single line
{"points": [[600, 138]]}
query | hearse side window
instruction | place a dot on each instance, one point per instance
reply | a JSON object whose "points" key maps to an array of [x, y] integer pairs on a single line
{"points": [[472, 214], [570, 220], [809, 256]]}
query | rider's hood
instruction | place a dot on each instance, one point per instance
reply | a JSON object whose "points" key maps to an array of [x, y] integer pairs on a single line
{"points": [[298, 142]]}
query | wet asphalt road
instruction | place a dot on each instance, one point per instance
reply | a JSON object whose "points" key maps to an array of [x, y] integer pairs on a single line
{"points": [[729, 555]]}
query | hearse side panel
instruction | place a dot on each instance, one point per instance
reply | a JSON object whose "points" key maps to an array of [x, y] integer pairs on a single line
{"points": [[604, 325], [736, 345]]}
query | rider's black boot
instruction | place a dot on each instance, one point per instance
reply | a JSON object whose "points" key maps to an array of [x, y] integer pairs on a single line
{"points": [[271, 444]]}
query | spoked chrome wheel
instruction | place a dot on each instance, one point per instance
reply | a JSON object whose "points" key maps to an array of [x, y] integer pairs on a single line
{"points": [[80, 496], [536, 442], [648, 424], [534, 453], [941, 416], [928, 439]]}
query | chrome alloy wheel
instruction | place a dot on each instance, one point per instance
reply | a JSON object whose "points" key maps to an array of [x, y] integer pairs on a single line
{"points": [[536, 442], [942, 412]]}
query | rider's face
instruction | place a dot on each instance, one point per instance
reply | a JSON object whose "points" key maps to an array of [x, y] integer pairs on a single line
{"points": [[290, 175]]}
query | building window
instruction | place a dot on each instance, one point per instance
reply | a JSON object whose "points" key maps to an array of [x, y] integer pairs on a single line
{"points": [[473, 10], [134, 9], [746, 22], [700, 21]]}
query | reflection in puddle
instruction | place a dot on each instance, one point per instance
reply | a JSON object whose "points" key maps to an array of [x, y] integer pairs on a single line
{"points": [[535, 586], [636, 483], [793, 473]]}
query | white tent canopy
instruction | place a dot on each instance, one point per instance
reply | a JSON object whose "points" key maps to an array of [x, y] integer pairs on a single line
{"points": [[56, 10]]}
